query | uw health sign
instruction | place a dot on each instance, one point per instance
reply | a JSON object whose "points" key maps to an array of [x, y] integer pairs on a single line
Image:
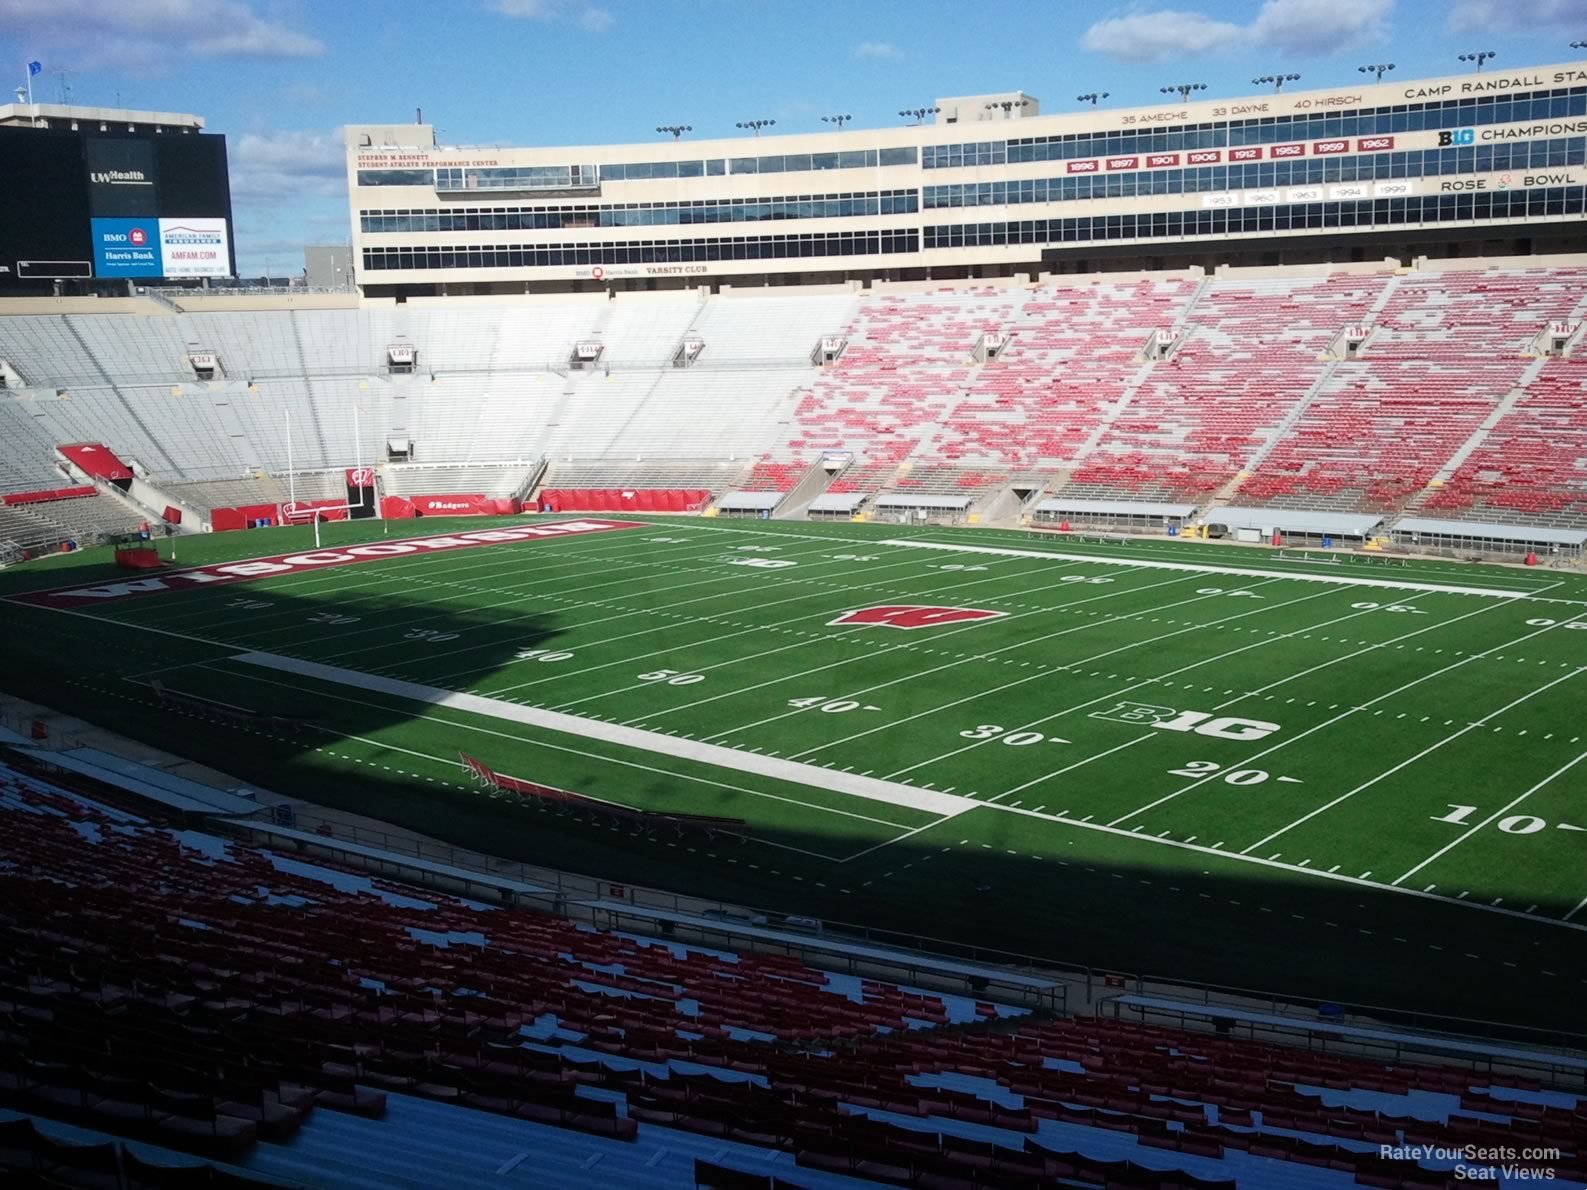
{"points": [[134, 247]]}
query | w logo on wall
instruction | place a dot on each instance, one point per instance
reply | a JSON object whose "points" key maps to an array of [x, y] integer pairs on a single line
{"points": [[361, 492]]}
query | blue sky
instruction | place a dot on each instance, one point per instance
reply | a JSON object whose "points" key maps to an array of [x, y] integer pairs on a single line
{"points": [[279, 77]]}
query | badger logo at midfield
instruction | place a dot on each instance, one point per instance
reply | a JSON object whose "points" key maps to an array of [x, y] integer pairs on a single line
{"points": [[910, 615]]}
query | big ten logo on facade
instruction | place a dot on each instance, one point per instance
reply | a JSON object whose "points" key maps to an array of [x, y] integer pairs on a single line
{"points": [[1202, 723], [1457, 136]]}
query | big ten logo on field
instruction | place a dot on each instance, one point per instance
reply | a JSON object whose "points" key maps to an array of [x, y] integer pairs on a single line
{"points": [[1457, 136], [910, 616], [1203, 723]]}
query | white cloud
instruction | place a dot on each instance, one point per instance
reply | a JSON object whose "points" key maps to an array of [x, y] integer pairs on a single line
{"points": [[150, 35], [1287, 26], [1319, 26], [881, 51], [592, 18], [1157, 36], [1512, 16], [274, 167]]}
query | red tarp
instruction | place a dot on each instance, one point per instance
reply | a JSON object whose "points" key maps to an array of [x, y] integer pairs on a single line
{"points": [[146, 558], [302, 513], [96, 460], [466, 504], [223, 519], [623, 499], [42, 495]]}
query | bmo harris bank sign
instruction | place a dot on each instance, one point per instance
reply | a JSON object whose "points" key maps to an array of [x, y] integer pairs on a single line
{"points": [[192, 247]]}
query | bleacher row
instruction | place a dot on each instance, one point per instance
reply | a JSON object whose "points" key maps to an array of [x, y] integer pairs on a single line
{"points": [[186, 991], [1248, 402]]}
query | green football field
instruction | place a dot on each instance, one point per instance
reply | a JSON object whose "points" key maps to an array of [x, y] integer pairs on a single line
{"points": [[1322, 777]]}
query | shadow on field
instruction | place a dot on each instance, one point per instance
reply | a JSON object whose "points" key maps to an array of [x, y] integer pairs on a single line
{"points": [[986, 881]]}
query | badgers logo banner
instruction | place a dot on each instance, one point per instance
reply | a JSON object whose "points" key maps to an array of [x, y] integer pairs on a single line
{"points": [[910, 615]]}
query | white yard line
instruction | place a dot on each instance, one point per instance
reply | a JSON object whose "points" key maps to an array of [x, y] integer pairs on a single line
{"points": [[868, 788], [494, 559], [889, 842], [1576, 910], [1129, 689], [736, 759], [952, 752], [914, 677], [453, 764], [1116, 553], [1497, 814], [1205, 568], [1296, 869], [1345, 714], [1406, 763], [823, 616], [711, 577], [1284, 681]]}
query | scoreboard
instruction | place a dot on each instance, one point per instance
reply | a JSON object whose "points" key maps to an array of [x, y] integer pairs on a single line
{"points": [[114, 205]]}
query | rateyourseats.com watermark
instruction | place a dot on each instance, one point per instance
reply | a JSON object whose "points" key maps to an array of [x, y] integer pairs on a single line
{"points": [[1481, 1163]]}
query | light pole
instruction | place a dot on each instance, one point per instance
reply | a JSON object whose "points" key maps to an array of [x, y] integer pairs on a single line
{"points": [[838, 120], [755, 125], [1183, 90], [1479, 57], [1278, 81], [919, 114], [1377, 68], [1008, 105], [677, 130], [1092, 97]]}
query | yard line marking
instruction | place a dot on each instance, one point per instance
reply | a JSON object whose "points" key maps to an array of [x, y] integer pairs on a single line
{"points": [[1260, 862], [954, 588], [1427, 751], [488, 556], [587, 755], [1021, 681], [1204, 568], [495, 564], [1106, 752], [559, 594], [1573, 912], [1559, 772], [650, 630], [1345, 714], [869, 788], [889, 842], [866, 690]]}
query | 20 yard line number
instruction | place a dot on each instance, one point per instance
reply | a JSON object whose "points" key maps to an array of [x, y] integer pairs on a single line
{"points": [[1234, 776]]}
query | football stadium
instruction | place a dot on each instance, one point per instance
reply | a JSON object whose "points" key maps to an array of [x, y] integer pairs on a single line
{"points": [[1085, 691]]}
